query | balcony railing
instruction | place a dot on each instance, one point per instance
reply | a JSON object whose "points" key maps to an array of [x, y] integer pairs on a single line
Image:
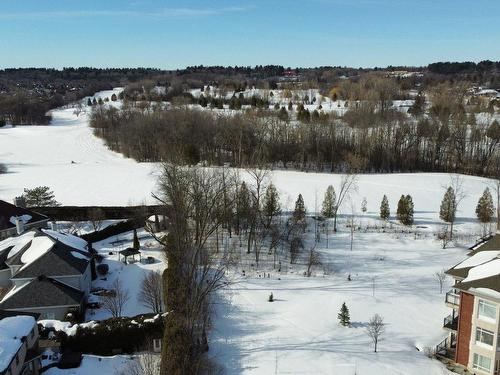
{"points": [[451, 322], [445, 349], [452, 298]]}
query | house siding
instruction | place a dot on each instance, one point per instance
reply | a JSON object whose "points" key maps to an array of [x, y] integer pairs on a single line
{"points": [[464, 328], [5, 278]]}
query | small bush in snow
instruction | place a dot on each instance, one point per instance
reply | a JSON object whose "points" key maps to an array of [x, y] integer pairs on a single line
{"points": [[271, 298]]}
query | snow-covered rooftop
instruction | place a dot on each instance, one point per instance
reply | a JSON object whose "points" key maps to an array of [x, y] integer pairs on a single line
{"points": [[12, 330]]}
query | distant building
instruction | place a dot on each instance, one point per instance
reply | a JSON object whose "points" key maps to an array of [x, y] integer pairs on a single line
{"points": [[473, 326], [19, 354]]}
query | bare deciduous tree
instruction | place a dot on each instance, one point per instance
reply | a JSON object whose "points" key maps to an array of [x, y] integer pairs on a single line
{"points": [[313, 260], [441, 278], [96, 218], [375, 329], [348, 183], [151, 292], [115, 301]]}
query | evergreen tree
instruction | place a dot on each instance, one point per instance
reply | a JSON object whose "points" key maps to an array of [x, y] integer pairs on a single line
{"points": [[344, 316], [94, 101], [299, 214], [328, 209], [100, 101], [271, 203], [89, 102], [364, 204], [40, 196], [283, 114], [410, 210], [202, 100], [113, 98], [136, 244], [290, 105], [485, 208], [448, 207], [384, 208], [405, 210]]}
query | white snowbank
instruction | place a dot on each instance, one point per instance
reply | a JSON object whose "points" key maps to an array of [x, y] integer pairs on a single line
{"points": [[66, 327]]}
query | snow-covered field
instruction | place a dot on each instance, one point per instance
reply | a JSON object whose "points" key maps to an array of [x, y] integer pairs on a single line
{"points": [[299, 332]]}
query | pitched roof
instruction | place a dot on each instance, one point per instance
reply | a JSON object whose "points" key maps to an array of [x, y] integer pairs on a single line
{"points": [[42, 292], [59, 260], [12, 330], [8, 211], [481, 270], [491, 244]]}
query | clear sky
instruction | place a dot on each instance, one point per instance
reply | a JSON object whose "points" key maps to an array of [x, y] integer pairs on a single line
{"points": [[175, 33]]}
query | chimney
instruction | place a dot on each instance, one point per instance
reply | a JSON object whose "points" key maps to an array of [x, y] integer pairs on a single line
{"points": [[19, 225], [20, 202], [53, 226]]}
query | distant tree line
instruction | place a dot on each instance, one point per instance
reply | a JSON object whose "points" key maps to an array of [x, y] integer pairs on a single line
{"points": [[447, 142]]}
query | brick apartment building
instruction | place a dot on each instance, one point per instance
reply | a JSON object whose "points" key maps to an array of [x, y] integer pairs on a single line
{"points": [[473, 326]]}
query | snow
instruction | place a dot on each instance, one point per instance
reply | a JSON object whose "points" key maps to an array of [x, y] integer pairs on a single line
{"points": [[67, 239], [12, 330], [96, 365], [66, 327], [130, 274], [299, 332], [488, 269], [477, 259], [17, 243], [39, 246], [23, 218]]}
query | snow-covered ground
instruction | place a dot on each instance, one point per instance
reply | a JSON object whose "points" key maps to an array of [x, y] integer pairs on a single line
{"points": [[67, 157], [130, 274], [117, 365], [299, 333]]}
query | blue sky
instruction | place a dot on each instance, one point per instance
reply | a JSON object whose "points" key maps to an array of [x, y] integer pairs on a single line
{"points": [[174, 34]]}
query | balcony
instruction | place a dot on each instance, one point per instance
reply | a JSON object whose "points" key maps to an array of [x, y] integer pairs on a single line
{"points": [[445, 349], [451, 322], [452, 299]]}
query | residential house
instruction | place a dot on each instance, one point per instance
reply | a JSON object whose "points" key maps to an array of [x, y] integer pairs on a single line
{"points": [[50, 273], [473, 326], [15, 219], [19, 352]]}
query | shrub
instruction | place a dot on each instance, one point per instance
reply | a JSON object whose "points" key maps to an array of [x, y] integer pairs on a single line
{"points": [[102, 269]]}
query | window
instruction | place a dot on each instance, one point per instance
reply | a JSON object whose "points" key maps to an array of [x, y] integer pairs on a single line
{"points": [[481, 362], [487, 310], [484, 337]]}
